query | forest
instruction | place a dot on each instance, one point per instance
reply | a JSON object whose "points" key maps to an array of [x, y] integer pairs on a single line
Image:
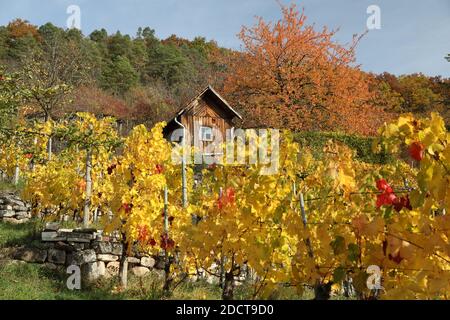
{"points": [[142, 79]]}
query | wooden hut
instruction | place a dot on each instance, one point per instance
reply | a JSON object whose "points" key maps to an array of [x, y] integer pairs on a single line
{"points": [[205, 116]]}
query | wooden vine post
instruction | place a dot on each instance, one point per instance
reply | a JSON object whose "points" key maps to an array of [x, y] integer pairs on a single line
{"points": [[16, 177], [88, 189], [222, 258], [321, 291], [16, 174], [167, 261], [49, 148], [183, 177], [166, 214]]}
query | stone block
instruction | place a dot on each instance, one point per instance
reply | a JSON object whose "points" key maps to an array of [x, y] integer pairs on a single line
{"points": [[140, 271], [56, 256], [101, 268], [23, 215], [31, 255], [20, 208], [107, 257], [7, 213], [51, 266], [90, 231], [78, 236], [117, 248], [16, 221], [148, 262], [64, 246], [83, 257], [52, 236], [14, 201], [133, 260], [69, 259], [102, 247], [112, 269], [90, 272], [77, 246]]}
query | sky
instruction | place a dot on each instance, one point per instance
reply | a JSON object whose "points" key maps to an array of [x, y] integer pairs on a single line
{"points": [[414, 34]]}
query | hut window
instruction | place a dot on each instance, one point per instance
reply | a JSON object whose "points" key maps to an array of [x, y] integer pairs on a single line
{"points": [[206, 133]]}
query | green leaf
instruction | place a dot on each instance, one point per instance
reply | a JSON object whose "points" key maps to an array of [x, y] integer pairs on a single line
{"points": [[339, 275], [360, 281], [417, 198], [338, 245], [387, 214], [353, 252]]}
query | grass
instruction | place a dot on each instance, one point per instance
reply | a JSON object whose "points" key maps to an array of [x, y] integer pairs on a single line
{"points": [[26, 281], [6, 186], [37, 282], [12, 235]]}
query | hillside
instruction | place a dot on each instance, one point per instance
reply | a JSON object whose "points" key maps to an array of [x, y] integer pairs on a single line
{"points": [[143, 79]]}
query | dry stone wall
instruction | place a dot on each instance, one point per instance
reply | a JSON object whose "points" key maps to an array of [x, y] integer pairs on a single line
{"points": [[13, 209], [97, 255]]}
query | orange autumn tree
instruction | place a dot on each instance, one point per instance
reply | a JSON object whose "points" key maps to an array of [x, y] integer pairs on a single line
{"points": [[292, 76], [19, 28]]}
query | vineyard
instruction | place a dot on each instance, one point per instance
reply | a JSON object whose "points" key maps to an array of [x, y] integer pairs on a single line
{"points": [[334, 224]]}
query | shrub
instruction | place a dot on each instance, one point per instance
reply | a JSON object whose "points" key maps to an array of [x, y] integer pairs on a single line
{"points": [[362, 145]]}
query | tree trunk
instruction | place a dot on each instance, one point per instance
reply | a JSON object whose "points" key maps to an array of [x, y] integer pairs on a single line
{"points": [[78, 162], [120, 128], [222, 271], [16, 175], [50, 140], [87, 201], [228, 287], [168, 279], [49, 148], [123, 267], [322, 291], [32, 164]]}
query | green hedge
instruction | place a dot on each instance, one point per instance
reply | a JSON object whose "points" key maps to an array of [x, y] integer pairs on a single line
{"points": [[362, 145]]}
